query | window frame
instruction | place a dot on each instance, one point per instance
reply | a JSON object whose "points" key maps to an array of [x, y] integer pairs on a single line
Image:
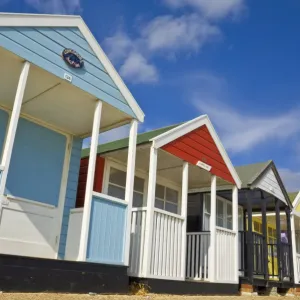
{"points": [[121, 167], [225, 202], [169, 185]]}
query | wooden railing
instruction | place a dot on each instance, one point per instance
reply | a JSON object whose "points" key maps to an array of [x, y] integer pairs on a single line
{"points": [[197, 255], [225, 249], [137, 238], [166, 253]]}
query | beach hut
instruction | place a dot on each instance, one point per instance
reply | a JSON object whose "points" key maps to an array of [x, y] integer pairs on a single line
{"points": [[57, 88], [164, 255], [265, 241]]}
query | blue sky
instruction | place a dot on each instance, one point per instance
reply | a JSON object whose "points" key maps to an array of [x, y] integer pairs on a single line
{"points": [[236, 60]]}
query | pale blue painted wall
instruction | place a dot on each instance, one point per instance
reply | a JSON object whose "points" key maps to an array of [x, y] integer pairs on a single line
{"points": [[107, 232], [36, 165], [3, 125], [44, 46], [71, 192]]}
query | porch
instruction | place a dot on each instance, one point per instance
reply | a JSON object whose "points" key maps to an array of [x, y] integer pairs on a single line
{"points": [[161, 247]]}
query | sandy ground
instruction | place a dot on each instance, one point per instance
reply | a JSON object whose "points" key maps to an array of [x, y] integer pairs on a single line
{"points": [[5, 296]]}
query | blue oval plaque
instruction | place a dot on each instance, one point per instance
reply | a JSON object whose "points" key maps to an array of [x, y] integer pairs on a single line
{"points": [[72, 58]]}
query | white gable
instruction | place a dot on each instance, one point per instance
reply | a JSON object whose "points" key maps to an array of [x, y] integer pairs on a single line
{"points": [[269, 183]]}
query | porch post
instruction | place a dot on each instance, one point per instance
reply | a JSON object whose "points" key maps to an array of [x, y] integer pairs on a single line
{"points": [[12, 128], [150, 211], [293, 239], [235, 228], [90, 183], [249, 245], [278, 238], [290, 241], [265, 237], [129, 185], [213, 212], [184, 200]]}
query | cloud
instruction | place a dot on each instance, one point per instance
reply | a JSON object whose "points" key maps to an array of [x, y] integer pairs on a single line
{"points": [[56, 6], [162, 35], [136, 69], [187, 32], [211, 9], [240, 130], [109, 136], [290, 178]]}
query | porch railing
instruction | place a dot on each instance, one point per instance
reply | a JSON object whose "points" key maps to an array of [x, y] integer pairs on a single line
{"points": [[225, 249], [137, 240], [166, 251], [197, 255]]}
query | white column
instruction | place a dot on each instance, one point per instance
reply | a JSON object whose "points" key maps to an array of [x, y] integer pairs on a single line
{"points": [[212, 224], [184, 200], [90, 183], [296, 275], [12, 128], [235, 228], [129, 185], [150, 211]]}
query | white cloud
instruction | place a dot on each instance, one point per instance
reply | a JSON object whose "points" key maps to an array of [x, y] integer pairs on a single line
{"points": [[164, 34], [212, 9], [109, 136], [240, 130], [136, 69], [187, 32], [290, 178], [118, 46], [56, 6]]}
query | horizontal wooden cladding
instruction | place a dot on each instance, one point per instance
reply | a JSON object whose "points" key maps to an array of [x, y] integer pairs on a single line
{"points": [[199, 145], [98, 179]]}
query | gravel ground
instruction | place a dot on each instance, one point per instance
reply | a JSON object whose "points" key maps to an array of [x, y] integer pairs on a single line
{"points": [[5, 296]]}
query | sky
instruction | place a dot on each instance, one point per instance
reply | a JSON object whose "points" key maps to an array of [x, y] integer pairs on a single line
{"points": [[235, 60]]}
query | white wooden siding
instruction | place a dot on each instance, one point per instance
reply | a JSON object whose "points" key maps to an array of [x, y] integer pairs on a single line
{"points": [[270, 184]]}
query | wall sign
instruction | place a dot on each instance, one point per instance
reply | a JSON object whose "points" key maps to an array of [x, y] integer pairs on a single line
{"points": [[203, 166], [72, 58]]}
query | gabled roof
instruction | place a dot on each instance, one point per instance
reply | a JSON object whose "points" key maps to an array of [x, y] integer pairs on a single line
{"points": [[189, 127], [142, 138], [252, 174], [249, 173], [162, 136], [293, 196], [38, 20]]}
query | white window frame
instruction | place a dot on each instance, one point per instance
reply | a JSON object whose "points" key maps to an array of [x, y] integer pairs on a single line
{"points": [[113, 163], [121, 167], [173, 187], [225, 202]]}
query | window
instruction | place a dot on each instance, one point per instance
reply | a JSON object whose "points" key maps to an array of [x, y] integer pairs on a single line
{"points": [[224, 213], [117, 183], [166, 198]]}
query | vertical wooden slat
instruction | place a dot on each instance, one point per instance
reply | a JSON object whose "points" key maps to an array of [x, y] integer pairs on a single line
{"points": [[158, 238], [163, 273], [172, 260], [168, 247], [189, 255], [197, 256], [175, 249], [202, 254], [154, 241], [142, 235], [133, 243], [193, 256]]}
